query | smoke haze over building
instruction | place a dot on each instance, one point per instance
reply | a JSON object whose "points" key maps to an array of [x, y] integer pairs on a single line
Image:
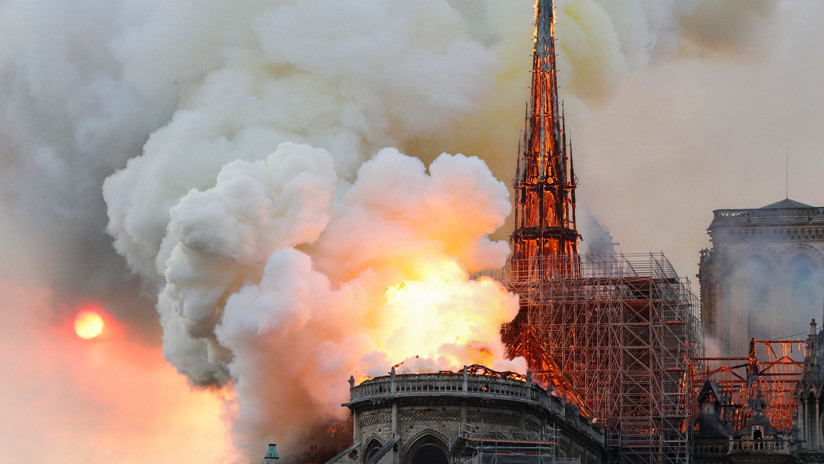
{"points": [[224, 164]]}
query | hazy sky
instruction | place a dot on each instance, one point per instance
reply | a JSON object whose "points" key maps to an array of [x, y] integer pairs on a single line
{"points": [[680, 140], [675, 108]]}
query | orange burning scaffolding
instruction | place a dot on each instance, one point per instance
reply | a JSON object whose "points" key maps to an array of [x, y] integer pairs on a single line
{"points": [[772, 367], [618, 337]]}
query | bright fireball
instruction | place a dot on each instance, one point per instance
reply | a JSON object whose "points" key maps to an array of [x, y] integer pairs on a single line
{"points": [[88, 324]]}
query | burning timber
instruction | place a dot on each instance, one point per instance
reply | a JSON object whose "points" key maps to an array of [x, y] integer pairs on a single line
{"points": [[765, 407], [545, 178]]}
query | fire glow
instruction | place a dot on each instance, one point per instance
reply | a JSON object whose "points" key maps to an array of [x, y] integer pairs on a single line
{"points": [[349, 288], [444, 317]]}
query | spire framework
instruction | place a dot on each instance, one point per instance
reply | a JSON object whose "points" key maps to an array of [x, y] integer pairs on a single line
{"points": [[545, 180]]}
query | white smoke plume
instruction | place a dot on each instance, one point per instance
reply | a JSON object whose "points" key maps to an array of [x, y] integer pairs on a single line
{"points": [[285, 247], [284, 267], [385, 286], [602, 41]]}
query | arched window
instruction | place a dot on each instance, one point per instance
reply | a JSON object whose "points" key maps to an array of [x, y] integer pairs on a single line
{"points": [[811, 423], [427, 450], [371, 449], [429, 453]]}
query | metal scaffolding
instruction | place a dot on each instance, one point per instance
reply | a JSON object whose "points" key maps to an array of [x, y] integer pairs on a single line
{"points": [[536, 447], [617, 334], [772, 369]]}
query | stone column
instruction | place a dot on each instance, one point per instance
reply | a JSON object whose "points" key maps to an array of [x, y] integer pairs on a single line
{"points": [[355, 427], [801, 419], [817, 423], [804, 425]]}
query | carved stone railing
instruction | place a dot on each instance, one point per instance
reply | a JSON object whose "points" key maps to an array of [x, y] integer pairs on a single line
{"points": [[547, 435], [446, 384], [722, 214], [491, 386], [711, 448], [746, 445]]}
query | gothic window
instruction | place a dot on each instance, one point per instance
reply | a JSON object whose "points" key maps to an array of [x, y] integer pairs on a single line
{"points": [[427, 450], [429, 454], [371, 450], [811, 423]]}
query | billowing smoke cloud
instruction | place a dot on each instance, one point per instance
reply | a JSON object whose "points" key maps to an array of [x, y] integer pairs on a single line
{"points": [[386, 284], [284, 246], [69, 119], [300, 246], [603, 41], [275, 281]]}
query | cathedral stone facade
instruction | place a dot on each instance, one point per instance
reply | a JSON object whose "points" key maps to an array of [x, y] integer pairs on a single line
{"points": [[763, 275], [474, 416]]}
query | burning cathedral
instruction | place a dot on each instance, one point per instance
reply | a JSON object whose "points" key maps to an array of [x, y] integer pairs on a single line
{"points": [[614, 342], [609, 336]]}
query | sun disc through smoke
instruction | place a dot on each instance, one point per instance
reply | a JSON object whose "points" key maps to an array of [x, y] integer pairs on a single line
{"points": [[88, 324]]}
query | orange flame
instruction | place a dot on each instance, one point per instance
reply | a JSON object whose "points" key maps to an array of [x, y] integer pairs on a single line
{"points": [[444, 317]]}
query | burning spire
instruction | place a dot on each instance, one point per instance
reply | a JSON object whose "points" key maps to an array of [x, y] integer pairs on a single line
{"points": [[545, 242], [545, 180]]}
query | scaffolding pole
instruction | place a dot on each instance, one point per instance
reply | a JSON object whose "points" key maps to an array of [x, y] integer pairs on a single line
{"points": [[619, 332]]}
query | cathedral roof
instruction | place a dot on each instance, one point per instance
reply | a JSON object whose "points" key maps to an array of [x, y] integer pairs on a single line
{"points": [[786, 203], [709, 424], [758, 405]]}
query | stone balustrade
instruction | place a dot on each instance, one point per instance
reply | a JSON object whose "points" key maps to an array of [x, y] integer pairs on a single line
{"points": [[454, 384], [711, 448], [769, 213], [486, 386], [746, 445]]}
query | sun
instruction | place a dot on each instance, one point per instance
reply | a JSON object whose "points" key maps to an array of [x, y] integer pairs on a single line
{"points": [[88, 324]]}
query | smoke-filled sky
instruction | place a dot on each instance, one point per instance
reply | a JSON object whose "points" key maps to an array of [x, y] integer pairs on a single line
{"points": [[253, 192], [709, 130]]}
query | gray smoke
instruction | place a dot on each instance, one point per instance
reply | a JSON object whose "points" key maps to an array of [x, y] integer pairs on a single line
{"points": [[222, 148], [595, 237]]}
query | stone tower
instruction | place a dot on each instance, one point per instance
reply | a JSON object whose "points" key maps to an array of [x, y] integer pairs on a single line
{"points": [[763, 277]]}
